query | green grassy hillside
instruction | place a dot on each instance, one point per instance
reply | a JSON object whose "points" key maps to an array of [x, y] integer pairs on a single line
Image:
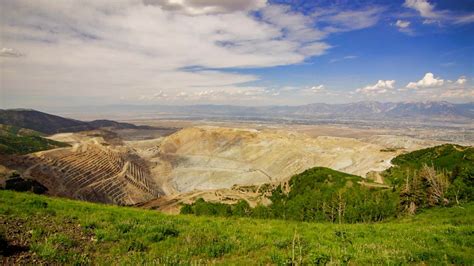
{"points": [[38, 229], [14, 140]]}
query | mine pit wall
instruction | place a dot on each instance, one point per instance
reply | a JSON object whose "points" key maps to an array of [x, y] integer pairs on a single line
{"points": [[95, 173]]}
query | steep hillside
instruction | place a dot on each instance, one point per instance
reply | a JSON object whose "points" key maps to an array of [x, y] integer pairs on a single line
{"points": [[450, 158], [41, 122], [447, 157], [14, 140], [42, 230], [50, 124]]}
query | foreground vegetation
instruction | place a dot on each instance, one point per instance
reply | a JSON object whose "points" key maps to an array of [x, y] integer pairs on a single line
{"points": [[14, 140], [39, 229]]}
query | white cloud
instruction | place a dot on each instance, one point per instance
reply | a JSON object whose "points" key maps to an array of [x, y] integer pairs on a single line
{"points": [[110, 51], [213, 95], [160, 95], [425, 9], [461, 81], [9, 52], [402, 24], [455, 93], [199, 7], [469, 18], [382, 86], [439, 89], [353, 19], [318, 89], [431, 15], [428, 81]]}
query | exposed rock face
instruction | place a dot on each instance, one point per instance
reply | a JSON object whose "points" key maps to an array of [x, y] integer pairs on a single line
{"points": [[203, 158]]}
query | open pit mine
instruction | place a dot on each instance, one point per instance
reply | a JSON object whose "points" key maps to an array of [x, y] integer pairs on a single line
{"points": [[214, 163]]}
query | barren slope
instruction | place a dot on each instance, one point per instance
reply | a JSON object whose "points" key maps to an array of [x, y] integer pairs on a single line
{"points": [[206, 158], [92, 170]]}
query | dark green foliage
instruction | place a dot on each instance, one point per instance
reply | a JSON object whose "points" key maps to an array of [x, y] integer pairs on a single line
{"points": [[322, 194], [242, 208], [462, 184], [447, 157], [317, 194], [15, 140], [201, 207]]}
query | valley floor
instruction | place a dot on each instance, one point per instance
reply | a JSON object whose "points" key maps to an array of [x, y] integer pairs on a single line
{"points": [[38, 229]]}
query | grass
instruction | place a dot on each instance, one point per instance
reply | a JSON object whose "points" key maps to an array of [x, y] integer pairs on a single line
{"points": [[73, 232]]}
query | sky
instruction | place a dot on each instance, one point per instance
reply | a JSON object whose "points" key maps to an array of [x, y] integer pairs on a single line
{"points": [[239, 52]]}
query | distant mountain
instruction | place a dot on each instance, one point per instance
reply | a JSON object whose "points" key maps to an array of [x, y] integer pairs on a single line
{"points": [[440, 109], [51, 124], [358, 110], [369, 109]]}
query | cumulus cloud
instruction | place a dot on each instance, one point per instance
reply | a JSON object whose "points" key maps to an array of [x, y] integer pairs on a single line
{"points": [[439, 89], [402, 24], [382, 86], [10, 52], [428, 81], [431, 15], [318, 89], [461, 81]]}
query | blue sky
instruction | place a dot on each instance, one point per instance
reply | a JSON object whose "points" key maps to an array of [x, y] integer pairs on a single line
{"points": [[246, 52]]}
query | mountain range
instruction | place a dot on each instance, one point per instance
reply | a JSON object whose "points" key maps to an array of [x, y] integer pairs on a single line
{"points": [[365, 110]]}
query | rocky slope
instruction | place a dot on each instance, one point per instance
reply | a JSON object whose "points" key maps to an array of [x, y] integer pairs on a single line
{"points": [[207, 158]]}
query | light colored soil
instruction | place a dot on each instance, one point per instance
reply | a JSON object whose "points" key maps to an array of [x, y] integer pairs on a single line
{"points": [[210, 158]]}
